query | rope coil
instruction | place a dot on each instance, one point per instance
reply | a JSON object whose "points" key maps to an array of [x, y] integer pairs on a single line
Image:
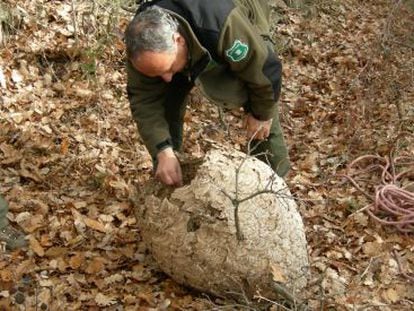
{"points": [[392, 203]]}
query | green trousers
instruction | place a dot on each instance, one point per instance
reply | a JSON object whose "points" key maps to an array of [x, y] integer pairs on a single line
{"points": [[4, 208], [272, 151]]}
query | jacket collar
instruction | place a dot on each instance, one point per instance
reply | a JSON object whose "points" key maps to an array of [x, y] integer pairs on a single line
{"points": [[198, 56]]}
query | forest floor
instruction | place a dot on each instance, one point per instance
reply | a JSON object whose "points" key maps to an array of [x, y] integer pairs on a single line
{"points": [[70, 156]]}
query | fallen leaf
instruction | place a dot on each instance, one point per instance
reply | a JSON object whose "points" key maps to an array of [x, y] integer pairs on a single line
{"points": [[104, 301], [31, 223], [6, 275], [16, 76], [94, 224], [95, 266], [372, 248], [391, 295], [64, 146], [10, 154], [77, 260], [115, 278], [3, 82], [81, 220], [36, 247], [278, 275]]}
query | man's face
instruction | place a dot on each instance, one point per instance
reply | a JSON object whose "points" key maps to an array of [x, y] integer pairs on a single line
{"points": [[163, 64]]}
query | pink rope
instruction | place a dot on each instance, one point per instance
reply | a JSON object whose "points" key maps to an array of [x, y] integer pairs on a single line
{"points": [[391, 204]]}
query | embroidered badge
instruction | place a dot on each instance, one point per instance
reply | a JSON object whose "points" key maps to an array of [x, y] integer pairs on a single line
{"points": [[238, 51]]}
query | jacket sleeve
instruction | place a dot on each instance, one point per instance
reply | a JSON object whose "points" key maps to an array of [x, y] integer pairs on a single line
{"points": [[146, 97], [253, 60]]}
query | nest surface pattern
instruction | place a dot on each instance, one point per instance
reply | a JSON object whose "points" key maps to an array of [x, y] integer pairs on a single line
{"points": [[191, 231]]}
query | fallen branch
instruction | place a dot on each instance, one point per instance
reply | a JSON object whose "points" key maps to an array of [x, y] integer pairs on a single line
{"points": [[409, 277]]}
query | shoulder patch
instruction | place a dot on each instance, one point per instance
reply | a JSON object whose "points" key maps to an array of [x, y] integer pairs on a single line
{"points": [[238, 51]]}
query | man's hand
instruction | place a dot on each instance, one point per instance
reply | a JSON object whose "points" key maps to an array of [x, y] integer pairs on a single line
{"points": [[259, 129], [168, 169]]}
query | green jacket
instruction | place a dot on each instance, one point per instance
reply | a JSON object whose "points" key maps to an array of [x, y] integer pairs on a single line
{"points": [[229, 58]]}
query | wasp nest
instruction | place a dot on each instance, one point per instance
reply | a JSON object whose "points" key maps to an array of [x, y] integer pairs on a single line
{"points": [[233, 228]]}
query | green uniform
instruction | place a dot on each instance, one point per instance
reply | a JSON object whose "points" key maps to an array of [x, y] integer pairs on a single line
{"points": [[232, 63]]}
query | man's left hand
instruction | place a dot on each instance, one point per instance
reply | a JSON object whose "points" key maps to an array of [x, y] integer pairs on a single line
{"points": [[257, 129]]}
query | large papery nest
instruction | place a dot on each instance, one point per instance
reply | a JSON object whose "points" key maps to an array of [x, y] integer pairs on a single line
{"points": [[195, 237]]}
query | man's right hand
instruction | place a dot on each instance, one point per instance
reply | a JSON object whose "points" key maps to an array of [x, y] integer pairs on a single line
{"points": [[169, 169]]}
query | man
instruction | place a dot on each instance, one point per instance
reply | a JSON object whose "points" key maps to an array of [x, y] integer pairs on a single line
{"points": [[220, 45], [13, 238]]}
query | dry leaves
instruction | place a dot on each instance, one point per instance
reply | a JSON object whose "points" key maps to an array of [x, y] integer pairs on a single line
{"points": [[70, 156]]}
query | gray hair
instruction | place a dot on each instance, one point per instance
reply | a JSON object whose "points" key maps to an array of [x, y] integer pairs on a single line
{"points": [[151, 30]]}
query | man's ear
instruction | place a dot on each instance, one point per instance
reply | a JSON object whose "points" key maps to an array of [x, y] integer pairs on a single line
{"points": [[179, 39]]}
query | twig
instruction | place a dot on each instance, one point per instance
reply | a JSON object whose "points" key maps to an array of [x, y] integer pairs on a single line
{"points": [[405, 274], [367, 268], [256, 194], [239, 233], [236, 201], [387, 26], [272, 302], [75, 24], [223, 124]]}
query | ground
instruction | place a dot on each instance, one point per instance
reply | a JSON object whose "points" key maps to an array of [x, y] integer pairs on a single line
{"points": [[71, 157]]}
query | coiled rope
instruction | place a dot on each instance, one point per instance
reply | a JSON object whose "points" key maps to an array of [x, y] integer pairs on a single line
{"points": [[393, 198]]}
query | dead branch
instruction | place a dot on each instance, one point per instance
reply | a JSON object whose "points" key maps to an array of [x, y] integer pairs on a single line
{"points": [[74, 22], [408, 276]]}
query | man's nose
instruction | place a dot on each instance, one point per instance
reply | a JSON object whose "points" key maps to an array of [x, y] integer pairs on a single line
{"points": [[167, 77]]}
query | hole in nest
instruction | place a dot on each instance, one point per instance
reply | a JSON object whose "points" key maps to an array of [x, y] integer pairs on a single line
{"points": [[189, 169], [193, 224]]}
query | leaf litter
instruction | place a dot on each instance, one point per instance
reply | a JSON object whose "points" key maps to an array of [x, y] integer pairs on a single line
{"points": [[71, 158]]}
